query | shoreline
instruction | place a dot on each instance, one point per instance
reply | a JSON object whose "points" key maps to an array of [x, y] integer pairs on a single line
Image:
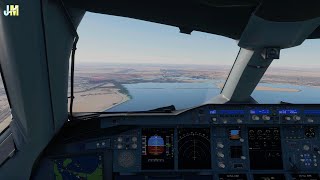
{"points": [[5, 123], [125, 98], [103, 98], [98, 99], [266, 88]]}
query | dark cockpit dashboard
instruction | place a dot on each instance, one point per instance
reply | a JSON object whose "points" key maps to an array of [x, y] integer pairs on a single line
{"points": [[223, 142]]}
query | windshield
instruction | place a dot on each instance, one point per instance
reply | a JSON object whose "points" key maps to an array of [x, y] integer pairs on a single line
{"points": [[130, 65]]}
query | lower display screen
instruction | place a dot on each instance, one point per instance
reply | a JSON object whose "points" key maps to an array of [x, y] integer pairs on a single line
{"points": [[232, 177], [78, 167], [305, 177], [157, 148], [194, 148], [265, 148], [269, 176]]}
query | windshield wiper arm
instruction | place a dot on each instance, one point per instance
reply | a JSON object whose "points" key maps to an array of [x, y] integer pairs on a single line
{"points": [[93, 115], [166, 109], [283, 102]]}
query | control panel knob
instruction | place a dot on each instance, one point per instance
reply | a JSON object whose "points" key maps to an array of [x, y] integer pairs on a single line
{"points": [[306, 147], [134, 139], [255, 117], [134, 146], [288, 118], [221, 165], [220, 145], [119, 146], [119, 139], [220, 154], [259, 132], [310, 120], [296, 118], [266, 117]]}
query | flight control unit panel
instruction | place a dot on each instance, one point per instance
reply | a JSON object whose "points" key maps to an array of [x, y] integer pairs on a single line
{"points": [[222, 142]]}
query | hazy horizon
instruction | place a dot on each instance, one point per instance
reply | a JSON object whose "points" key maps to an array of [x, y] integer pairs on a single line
{"points": [[97, 63], [112, 39]]}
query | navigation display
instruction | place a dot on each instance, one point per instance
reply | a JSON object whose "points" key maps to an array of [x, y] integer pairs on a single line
{"points": [[157, 148], [78, 167], [194, 148]]}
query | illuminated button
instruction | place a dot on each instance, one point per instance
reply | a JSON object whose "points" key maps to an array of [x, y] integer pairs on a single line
{"points": [[220, 154], [239, 121], [315, 164], [220, 145], [266, 117], [243, 157], [221, 165], [288, 118], [310, 120], [255, 117], [134, 139], [296, 118], [225, 121], [214, 119], [241, 140]]}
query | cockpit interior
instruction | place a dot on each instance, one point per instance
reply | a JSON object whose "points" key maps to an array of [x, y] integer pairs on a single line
{"points": [[230, 135]]}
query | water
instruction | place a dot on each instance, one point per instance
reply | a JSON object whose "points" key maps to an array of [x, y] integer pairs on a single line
{"points": [[146, 96]]}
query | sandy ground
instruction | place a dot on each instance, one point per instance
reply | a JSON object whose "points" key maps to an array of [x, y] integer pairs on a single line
{"points": [[98, 100], [265, 88], [5, 123]]}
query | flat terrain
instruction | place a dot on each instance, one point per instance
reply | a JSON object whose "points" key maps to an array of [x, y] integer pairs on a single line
{"points": [[99, 86]]}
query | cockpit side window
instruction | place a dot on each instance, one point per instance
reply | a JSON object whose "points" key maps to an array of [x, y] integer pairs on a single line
{"points": [[5, 113]]}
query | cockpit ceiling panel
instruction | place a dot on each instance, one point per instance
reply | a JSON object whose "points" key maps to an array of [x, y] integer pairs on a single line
{"points": [[226, 18]]}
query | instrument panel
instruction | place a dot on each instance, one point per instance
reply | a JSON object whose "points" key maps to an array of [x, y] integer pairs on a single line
{"points": [[224, 142], [157, 148]]}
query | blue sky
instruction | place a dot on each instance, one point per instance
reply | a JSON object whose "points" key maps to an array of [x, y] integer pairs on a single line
{"points": [[105, 38]]}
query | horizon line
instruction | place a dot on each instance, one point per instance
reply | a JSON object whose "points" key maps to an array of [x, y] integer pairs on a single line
{"points": [[192, 64]]}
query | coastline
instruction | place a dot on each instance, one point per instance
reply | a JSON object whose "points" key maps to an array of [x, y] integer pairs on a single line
{"points": [[5, 123], [98, 99], [102, 98], [266, 88]]}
